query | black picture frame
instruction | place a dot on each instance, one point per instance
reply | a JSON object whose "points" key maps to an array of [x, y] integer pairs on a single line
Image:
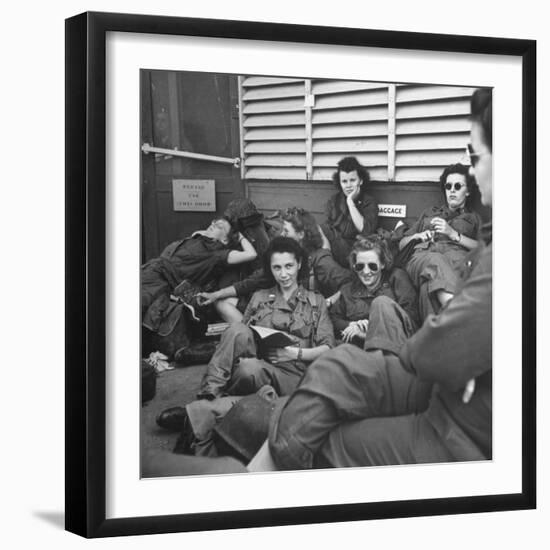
{"points": [[86, 268]]}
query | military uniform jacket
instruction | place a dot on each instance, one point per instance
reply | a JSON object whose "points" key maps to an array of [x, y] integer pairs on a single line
{"points": [[465, 222], [339, 219], [355, 299], [304, 315]]}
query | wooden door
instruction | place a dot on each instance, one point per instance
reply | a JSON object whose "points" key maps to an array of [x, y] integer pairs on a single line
{"points": [[189, 111]]}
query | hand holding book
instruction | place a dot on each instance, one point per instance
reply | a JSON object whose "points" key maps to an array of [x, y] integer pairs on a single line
{"points": [[274, 345], [272, 338]]}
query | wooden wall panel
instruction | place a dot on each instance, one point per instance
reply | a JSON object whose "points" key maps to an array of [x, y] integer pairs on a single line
{"points": [[269, 197]]}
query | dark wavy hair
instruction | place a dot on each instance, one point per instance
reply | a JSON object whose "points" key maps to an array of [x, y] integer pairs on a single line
{"points": [[304, 222], [481, 106], [281, 245], [349, 164], [372, 242], [463, 170]]}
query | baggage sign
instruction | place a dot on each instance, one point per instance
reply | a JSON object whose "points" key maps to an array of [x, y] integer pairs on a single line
{"points": [[392, 210]]}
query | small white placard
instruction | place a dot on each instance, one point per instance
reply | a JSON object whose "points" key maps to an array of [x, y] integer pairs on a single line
{"points": [[194, 195], [392, 210]]}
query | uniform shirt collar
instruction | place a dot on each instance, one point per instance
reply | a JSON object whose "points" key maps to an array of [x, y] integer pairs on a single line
{"points": [[359, 290]]}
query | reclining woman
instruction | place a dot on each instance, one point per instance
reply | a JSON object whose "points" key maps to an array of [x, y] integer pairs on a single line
{"points": [[378, 309], [351, 211], [286, 306], [200, 260], [328, 275], [441, 238]]}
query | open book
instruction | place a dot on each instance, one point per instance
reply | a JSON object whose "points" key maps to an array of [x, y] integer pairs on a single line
{"points": [[272, 338]]}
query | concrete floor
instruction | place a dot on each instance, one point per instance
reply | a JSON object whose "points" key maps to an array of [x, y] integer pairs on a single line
{"points": [[175, 388]]}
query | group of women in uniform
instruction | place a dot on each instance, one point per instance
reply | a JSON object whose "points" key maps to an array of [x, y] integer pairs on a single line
{"points": [[395, 326]]}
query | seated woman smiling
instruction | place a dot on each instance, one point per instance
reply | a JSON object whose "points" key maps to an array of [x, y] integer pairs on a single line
{"points": [[378, 309]]}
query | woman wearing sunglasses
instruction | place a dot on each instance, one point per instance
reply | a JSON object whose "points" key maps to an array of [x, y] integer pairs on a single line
{"points": [[441, 238], [378, 309]]}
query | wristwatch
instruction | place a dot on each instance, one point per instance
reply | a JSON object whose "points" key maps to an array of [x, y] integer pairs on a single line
{"points": [[458, 236]]}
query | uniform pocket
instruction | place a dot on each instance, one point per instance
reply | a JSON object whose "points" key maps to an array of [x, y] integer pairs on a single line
{"points": [[261, 314], [302, 326]]}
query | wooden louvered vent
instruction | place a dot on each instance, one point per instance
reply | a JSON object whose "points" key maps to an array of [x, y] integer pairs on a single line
{"points": [[298, 129]]}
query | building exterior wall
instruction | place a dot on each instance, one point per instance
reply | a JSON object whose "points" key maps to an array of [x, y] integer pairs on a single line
{"points": [[290, 134]]}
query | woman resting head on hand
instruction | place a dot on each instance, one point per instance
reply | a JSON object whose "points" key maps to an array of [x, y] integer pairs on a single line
{"points": [[351, 211]]}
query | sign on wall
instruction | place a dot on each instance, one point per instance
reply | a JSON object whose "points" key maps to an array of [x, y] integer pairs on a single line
{"points": [[194, 195], [392, 210]]}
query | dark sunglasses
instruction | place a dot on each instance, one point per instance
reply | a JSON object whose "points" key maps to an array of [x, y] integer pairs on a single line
{"points": [[458, 186], [374, 267]]}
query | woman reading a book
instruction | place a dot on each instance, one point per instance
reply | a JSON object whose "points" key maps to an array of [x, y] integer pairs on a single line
{"points": [[242, 364]]}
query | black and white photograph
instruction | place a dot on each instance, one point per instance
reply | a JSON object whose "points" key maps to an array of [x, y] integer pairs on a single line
{"points": [[251, 293], [316, 273]]}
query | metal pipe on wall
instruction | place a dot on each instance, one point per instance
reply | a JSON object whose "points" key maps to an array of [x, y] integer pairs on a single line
{"points": [[146, 148]]}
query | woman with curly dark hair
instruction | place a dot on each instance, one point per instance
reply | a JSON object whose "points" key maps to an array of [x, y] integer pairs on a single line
{"points": [[351, 211], [235, 368], [378, 309], [441, 238]]}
